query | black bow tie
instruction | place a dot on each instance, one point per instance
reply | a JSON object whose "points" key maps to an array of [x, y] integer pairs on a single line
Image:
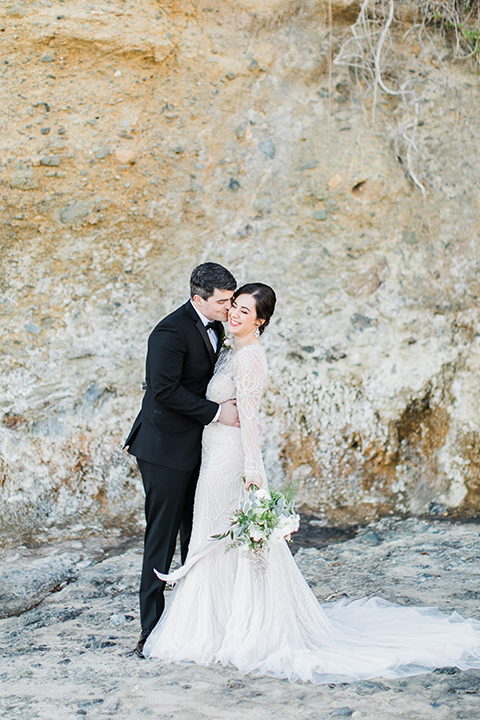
{"points": [[210, 325]]}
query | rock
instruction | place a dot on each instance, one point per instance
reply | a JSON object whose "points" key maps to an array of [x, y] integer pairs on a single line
{"points": [[102, 153], [75, 210], [391, 427], [408, 237], [55, 143], [235, 684], [371, 537], [125, 156], [335, 181], [116, 620], [47, 58], [245, 231], [51, 160], [64, 654], [43, 616], [24, 180], [467, 683], [309, 166], [268, 148], [32, 328], [240, 130], [361, 321], [447, 671], [44, 130], [111, 708], [23, 587], [16, 11], [43, 104], [342, 712], [436, 508], [368, 687], [320, 214], [334, 354]]}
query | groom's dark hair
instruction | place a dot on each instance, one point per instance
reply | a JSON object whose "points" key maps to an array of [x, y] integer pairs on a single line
{"points": [[208, 277]]}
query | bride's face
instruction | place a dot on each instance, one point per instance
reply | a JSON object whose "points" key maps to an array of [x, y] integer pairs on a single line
{"points": [[242, 316]]}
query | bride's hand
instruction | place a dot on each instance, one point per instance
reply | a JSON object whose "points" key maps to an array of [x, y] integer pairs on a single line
{"points": [[257, 481]]}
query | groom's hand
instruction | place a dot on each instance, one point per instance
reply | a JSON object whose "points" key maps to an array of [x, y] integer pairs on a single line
{"points": [[229, 414]]}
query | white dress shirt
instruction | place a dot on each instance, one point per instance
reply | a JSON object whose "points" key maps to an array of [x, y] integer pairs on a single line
{"points": [[212, 336]]}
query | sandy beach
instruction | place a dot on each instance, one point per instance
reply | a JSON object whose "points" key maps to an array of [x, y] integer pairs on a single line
{"points": [[69, 654]]}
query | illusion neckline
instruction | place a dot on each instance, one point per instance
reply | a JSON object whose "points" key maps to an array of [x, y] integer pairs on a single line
{"points": [[244, 347]]}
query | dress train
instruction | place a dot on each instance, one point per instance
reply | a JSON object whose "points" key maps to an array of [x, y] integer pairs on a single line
{"points": [[224, 610]]}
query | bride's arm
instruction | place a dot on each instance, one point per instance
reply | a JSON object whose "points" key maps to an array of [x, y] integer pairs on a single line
{"points": [[251, 377]]}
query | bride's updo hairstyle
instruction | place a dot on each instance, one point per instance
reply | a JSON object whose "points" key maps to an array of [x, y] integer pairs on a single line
{"points": [[265, 300]]}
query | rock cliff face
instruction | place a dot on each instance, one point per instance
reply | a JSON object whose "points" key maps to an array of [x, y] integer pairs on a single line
{"points": [[140, 138]]}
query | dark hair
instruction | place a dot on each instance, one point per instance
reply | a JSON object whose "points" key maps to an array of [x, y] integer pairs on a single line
{"points": [[208, 277], [265, 300]]}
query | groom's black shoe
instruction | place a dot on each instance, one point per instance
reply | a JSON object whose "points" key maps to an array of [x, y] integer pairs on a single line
{"points": [[141, 642]]}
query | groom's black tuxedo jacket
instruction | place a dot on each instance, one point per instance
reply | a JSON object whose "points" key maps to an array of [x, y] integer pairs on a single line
{"points": [[180, 362]]}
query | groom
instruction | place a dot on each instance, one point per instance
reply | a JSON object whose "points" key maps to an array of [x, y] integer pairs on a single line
{"points": [[166, 436]]}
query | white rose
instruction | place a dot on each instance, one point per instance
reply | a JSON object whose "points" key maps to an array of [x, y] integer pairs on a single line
{"points": [[292, 523], [285, 527], [255, 533], [277, 535]]}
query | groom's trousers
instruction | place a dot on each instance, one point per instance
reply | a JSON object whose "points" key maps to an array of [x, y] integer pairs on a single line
{"points": [[169, 497]]}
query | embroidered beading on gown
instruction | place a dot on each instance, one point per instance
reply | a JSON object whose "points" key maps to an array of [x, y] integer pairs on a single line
{"points": [[223, 610]]}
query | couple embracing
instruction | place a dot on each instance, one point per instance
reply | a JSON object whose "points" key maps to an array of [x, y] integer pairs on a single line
{"points": [[196, 441], [166, 437]]}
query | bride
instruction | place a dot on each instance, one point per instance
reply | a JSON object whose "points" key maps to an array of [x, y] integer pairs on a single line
{"points": [[223, 610]]}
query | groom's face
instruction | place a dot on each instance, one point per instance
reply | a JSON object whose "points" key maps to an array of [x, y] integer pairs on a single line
{"points": [[216, 307]]}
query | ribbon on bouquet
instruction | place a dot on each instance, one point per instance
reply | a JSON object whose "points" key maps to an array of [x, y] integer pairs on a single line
{"points": [[192, 558]]}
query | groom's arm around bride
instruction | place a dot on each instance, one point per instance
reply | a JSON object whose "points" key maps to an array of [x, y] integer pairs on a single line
{"points": [[166, 435]]}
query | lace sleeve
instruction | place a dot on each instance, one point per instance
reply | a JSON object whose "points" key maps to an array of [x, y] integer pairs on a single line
{"points": [[251, 377]]}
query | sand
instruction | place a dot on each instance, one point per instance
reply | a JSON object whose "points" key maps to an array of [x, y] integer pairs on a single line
{"points": [[71, 654]]}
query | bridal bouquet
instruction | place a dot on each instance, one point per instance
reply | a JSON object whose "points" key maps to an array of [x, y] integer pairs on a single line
{"points": [[262, 520]]}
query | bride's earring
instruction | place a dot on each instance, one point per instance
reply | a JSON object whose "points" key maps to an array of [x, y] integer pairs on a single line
{"points": [[257, 332]]}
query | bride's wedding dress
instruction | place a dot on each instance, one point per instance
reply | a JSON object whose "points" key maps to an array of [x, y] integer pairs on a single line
{"points": [[223, 610]]}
